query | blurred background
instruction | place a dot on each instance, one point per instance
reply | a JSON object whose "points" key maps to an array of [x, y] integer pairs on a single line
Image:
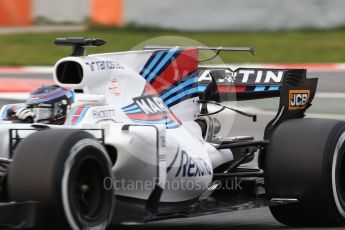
{"points": [[294, 31], [196, 15]]}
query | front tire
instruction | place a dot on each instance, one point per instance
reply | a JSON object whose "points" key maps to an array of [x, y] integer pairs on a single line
{"points": [[65, 171], [306, 160]]}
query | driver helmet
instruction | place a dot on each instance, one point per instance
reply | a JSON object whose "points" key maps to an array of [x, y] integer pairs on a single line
{"points": [[50, 104]]}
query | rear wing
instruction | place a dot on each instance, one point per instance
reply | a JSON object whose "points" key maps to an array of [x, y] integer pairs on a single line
{"points": [[217, 49], [242, 83], [224, 84], [211, 48], [295, 90]]}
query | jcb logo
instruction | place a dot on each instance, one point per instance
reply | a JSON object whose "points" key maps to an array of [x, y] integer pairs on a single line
{"points": [[298, 99]]}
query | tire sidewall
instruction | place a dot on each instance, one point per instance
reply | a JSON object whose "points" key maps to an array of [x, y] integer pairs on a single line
{"points": [[301, 163], [73, 219], [338, 203], [38, 167]]}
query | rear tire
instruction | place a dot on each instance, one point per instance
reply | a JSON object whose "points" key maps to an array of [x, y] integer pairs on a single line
{"points": [[306, 160], [65, 171]]}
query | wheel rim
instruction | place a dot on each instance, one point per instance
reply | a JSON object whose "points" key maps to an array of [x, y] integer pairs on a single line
{"points": [[86, 190], [341, 176], [338, 175], [86, 201]]}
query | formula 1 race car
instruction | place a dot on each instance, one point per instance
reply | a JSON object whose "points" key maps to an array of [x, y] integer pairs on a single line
{"points": [[140, 143]]}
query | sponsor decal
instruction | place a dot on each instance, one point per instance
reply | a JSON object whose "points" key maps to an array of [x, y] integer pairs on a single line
{"points": [[190, 167], [114, 87], [151, 105], [163, 141], [103, 65], [150, 109], [298, 99], [101, 114], [244, 76]]}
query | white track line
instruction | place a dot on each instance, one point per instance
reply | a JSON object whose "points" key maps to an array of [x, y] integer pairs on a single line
{"points": [[14, 96], [329, 95]]}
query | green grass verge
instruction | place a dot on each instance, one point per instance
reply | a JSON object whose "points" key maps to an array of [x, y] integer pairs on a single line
{"points": [[273, 47]]}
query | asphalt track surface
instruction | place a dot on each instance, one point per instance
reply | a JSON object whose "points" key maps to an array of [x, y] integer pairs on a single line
{"points": [[330, 103]]}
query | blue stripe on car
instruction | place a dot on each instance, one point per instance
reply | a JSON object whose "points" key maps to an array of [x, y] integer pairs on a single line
{"points": [[162, 63], [179, 87], [152, 64], [259, 88], [135, 106], [274, 88], [133, 111], [181, 95]]}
